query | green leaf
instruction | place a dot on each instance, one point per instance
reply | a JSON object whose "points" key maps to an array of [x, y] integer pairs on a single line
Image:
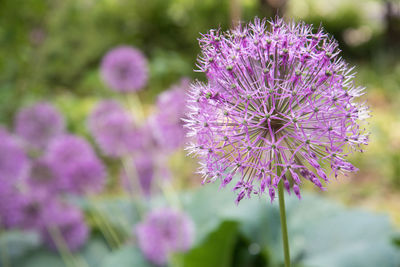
{"points": [[351, 238], [205, 208], [17, 243], [321, 232], [95, 251], [396, 240], [41, 258], [216, 250], [127, 256], [91, 255], [209, 206]]}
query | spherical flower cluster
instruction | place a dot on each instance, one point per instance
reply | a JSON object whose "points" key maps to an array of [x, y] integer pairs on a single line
{"points": [[32, 188], [84, 176], [31, 206], [9, 206], [64, 225], [163, 232], [77, 167], [147, 165], [39, 124], [13, 160], [101, 111], [68, 149], [124, 69], [279, 104], [167, 124], [37, 210], [113, 129], [43, 175]]}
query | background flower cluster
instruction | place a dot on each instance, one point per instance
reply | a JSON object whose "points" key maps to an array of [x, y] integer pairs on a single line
{"points": [[43, 167]]}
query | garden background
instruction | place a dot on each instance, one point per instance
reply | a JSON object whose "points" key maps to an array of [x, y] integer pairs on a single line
{"points": [[52, 51]]}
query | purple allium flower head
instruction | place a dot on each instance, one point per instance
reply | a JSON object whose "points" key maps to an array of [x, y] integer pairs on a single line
{"points": [[167, 123], [173, 100], [42, 174], [124, 69], [68, 149], [279, 102], [84, 176], [147, 139], [64, 224], [13, 160], [113, 129], [77, 167], [101, 111], [31, 207], [39, 124], [9, 206], [164, 231]]}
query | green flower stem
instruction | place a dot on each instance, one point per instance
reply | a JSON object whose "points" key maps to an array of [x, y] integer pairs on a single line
{"points": [[283, 223]]}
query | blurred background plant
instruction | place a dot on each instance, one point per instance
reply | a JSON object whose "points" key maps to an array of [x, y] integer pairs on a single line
{"points": [[51, 57]]}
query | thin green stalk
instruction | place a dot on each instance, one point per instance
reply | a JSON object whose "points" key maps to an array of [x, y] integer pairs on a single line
{"points": [[283, 223], [235, 10], [67, 256]]}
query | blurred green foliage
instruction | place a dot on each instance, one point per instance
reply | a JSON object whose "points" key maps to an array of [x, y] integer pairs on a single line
{"points": [[322, 233], [51, 49]]}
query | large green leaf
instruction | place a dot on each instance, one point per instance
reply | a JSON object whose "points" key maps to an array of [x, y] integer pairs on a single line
{"points": [[127, 256], [91, 254], [40, 258], [216, 250], [17, 243], [206, 209], [321, 232], [351, 238], [396, 240], [95, 251]]}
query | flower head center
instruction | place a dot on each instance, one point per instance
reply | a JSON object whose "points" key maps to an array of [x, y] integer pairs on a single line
{"points": [[32, 209], [274, 123]]}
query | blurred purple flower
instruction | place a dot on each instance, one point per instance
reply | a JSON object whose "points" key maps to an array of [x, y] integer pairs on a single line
{"points": [[13, 161], [31, 206], [35, 209], [280, 103], [101, 111], [43, 175], [167, 124], [173, 101], [39, 124], [9, 206], [64, 225], [147, 140], [163, 232], [77, 167], [113, 129], [84, 176], [67, 150], [124, 69]]}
